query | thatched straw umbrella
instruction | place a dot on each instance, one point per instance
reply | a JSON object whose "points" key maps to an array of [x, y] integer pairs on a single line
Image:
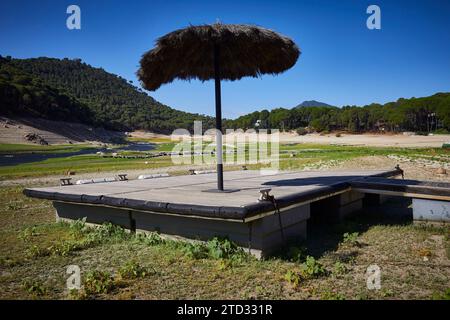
{"points": [[218, 51]]}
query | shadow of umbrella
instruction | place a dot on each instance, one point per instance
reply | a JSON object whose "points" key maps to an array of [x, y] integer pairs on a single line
{"points": [[319, 180], [219, 52]]}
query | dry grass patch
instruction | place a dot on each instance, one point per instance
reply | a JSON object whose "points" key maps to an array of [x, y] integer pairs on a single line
{"points": [[35, 253]]}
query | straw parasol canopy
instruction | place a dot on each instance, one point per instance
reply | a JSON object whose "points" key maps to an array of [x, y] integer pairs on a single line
{"points": [[245, 50], [220, 52]]}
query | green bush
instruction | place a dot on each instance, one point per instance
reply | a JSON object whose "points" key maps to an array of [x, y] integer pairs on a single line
{"points": [[339, 268], [97, 282], [351, 238], [222, 248], [75, 294], [34, 287], [442, 296], [66, 247], [330, 295], [196, 250], [111, 232], [302, 131], [83, 237], [27, 233], [312, 268], [151, 238], [34, 251], [296, 254], [293, 278], [78, 227], [132, 270], [105, 233], [216, 248]]}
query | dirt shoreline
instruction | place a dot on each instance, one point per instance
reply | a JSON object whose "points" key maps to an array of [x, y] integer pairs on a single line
{"points": [[59, 132], [14, 131], [371, 140]]}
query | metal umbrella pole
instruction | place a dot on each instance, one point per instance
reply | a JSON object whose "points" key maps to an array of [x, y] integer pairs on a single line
{"points": [[219, 154]]}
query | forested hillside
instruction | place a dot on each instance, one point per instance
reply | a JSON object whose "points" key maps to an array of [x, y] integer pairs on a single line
{"points": [[72, 90], [427, 114], [21, 94]]}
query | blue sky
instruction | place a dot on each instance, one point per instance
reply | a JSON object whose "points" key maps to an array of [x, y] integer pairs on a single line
{"points": [[342, 61]]}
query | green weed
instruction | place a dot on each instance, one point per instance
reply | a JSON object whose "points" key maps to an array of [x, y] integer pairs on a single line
{"points": [[196, 250], [27, 233], [312, 268], [222, 248], [442, 295], [296, 254], [339, 268], [132, 270], [216, 248], [97, 282], [330, 295], [293, 278], [151, 238], [35, 287], [351, 239]]}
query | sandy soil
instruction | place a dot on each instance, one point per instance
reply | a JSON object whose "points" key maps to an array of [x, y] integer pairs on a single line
{"points": [[59, 132], [54, 132], [371, 140], [415, 170], [147, 135]]}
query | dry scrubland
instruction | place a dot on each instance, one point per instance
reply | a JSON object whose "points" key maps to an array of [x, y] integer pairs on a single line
{"points": [[415, 260]]}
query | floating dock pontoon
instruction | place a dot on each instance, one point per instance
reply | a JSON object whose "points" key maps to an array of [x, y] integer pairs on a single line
{"points": [[265, 211]]}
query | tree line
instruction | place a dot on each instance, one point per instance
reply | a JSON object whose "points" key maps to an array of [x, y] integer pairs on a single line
{"points": [[426, 114], [71, 90]]}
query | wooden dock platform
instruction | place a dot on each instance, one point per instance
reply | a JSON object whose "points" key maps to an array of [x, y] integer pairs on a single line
{"points": [[179, 205], [185, 195]]}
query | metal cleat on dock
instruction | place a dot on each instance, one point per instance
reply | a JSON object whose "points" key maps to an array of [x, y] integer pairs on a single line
{"points": [[264, 194]]}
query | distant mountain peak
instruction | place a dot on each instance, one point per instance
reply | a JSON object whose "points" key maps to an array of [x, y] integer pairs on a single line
{"points": [[313, 103]]}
